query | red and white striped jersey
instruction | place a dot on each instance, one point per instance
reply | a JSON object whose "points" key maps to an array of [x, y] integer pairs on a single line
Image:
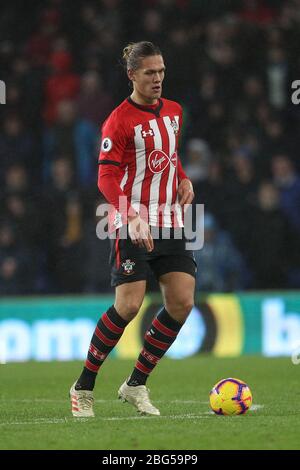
{"points": [[139, 148]]}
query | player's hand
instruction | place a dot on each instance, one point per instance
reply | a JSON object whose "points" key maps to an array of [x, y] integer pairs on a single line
{"points": [[139, 232], [185, 192]]}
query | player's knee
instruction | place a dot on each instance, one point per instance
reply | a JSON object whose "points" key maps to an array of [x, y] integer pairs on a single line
{"points": [[133, 308], [181, 308], [129, 309], [186, 306]]}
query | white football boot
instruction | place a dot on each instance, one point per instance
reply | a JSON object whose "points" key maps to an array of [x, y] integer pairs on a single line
{"points": [[138, 397], [82, 403]]}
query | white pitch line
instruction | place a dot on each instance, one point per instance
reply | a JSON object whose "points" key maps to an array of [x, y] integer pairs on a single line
{"points": [[39, 421], [185, 416], [254, 407], [36, 421], [45, 400], [116, 418], [51, 400]]}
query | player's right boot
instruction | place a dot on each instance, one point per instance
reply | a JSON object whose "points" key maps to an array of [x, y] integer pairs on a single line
{"points": [[82, 403], [138, 397]]}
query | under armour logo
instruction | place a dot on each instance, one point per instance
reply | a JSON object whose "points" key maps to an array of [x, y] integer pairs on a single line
{"points": [[149, 133]]}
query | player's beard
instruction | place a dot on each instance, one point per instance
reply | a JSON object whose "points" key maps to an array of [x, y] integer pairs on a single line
{"points": [[148, 94], [156, 94]]}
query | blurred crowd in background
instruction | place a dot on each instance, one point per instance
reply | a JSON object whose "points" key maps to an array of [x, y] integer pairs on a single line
{"points": [[229, 63]]}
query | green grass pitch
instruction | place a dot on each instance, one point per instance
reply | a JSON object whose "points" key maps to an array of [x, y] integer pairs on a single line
{"points": [[35, 409]]}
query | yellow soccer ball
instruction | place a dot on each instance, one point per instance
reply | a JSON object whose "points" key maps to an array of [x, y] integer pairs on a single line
{"points": [[230, 397]]}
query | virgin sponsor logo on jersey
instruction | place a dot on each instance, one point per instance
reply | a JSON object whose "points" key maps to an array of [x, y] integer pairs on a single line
{"points": [[106, 144], [158, 161]]}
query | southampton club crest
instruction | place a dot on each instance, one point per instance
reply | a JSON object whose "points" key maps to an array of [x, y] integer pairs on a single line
{"points": [[175, 126], [128, 267]]}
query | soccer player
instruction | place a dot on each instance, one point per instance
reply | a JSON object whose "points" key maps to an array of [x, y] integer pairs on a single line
{"points": [[138, 164]]}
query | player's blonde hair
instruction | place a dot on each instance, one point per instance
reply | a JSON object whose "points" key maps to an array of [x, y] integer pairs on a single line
{"points": [[134, 52]]}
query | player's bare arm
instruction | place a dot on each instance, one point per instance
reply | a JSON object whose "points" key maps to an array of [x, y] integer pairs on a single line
{"points": [[139, 232], [185, 192]]}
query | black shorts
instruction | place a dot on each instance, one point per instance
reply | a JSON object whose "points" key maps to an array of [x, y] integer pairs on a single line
{"points": [[131, 263]]}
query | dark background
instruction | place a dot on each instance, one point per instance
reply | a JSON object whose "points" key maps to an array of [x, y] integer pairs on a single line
{"points": [[229, 63]]}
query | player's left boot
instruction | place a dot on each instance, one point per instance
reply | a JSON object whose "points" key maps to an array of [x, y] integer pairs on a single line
{"points": [[138, 397], [82, 403]]}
